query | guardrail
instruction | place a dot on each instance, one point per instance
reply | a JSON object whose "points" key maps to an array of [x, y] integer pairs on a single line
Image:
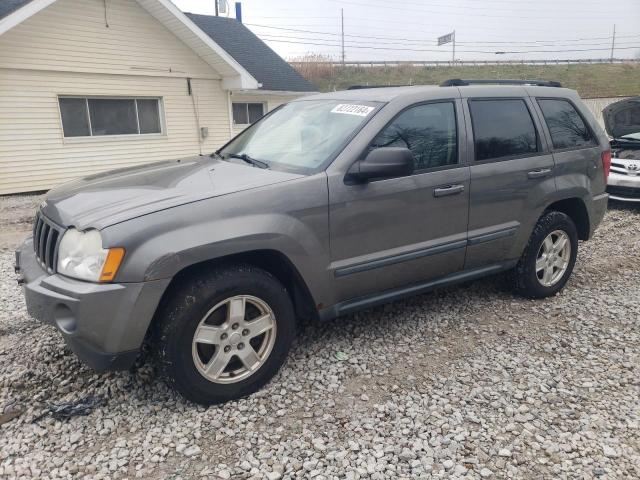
{"points": [[443, 63]]}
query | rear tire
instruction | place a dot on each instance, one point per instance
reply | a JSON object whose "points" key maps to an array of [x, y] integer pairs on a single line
{"points": [[549, 257], [225, 334]]}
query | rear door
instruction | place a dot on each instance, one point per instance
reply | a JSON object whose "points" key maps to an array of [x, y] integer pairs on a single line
{"points": [[511, 175], [574, 144]]}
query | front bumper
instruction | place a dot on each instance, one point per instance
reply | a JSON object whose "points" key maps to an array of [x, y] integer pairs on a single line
{"points": [[624, 188], [104, 324]]}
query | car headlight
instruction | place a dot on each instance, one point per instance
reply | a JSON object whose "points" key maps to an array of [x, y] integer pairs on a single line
{"points": [[81, 256]]}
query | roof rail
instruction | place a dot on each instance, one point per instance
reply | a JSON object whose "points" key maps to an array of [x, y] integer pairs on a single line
{"points": [[360, 87], [458, 82]]}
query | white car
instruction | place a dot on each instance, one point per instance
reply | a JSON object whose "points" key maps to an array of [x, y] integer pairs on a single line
{"points": [[622, 121]]}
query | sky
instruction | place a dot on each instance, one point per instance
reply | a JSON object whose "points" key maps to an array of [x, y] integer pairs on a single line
{"points": [[407, 30]]}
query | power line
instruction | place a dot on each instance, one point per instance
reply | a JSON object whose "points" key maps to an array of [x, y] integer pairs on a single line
{"points": [[405, 43], [421, 10], [441, 51], [484, 7], [424, 40], [407, 26]]}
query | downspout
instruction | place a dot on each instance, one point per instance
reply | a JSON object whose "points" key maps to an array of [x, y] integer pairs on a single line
{"points": [[230, 113], [197, 115]]}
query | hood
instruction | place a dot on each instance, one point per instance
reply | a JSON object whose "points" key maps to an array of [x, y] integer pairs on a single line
{"points": [[111, 197], [623, 117]]}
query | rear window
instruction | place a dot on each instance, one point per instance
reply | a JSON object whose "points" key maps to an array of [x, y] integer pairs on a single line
{"points": [[502, 128], [567, 128]]}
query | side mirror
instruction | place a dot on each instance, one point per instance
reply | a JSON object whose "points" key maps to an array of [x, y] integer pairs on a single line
{"points": [[383, 162]]}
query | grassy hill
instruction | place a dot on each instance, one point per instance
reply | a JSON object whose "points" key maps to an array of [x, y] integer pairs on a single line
{"points": [[596, 80]]}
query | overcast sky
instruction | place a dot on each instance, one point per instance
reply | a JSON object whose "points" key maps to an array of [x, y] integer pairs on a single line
{"points": [[407, 30]]}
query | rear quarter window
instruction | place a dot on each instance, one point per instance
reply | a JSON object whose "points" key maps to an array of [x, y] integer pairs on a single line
{"points": [[502, 128], [566, 126]]}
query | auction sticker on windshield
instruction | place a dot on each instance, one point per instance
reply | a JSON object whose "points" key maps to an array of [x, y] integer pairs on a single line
{"points": [[353, 109]]}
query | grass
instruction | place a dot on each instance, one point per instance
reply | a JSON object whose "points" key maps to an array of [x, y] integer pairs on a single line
{"points": [[594, 80]]}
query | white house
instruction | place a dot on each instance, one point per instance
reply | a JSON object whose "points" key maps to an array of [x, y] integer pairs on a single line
{"points": [[91, 85]]}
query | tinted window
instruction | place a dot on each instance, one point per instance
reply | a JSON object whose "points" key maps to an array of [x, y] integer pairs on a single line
{"points": [[502, 128], [113, 117], [75, 121], [149, 116], [85, 117], [566, 126], [247, 113], [429, 131]]}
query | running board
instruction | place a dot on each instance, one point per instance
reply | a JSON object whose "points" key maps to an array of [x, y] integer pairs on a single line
{"points": [[368, 301]]}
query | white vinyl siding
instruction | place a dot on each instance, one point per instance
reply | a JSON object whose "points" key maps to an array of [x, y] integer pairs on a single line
{"points": [[34, 155], [71, 49], [72, 35], [67, 50]]}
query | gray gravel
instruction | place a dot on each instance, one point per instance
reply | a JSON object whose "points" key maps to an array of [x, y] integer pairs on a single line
{"points": [[467, 382]]}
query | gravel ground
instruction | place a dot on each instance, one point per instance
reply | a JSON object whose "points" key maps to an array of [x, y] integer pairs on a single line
{"points": [[467, 382]]}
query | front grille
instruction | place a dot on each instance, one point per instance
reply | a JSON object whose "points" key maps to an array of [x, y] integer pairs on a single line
{"points": [[619, 168], [626, 192], [46, 237]]}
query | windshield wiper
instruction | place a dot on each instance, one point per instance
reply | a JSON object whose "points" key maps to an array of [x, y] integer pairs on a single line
{"points": [[246, 158]]}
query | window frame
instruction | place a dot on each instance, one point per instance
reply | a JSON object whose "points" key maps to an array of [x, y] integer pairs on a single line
{"points": [[120, 136], [457, 117], [246, 103], [540, 147], [552, 149]]}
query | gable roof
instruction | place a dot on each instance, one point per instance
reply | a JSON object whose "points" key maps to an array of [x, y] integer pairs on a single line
{"points": [[9, 6], [273, 72], [234, 75]]}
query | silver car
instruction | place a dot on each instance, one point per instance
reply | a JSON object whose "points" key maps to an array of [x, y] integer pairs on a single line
{"points": [[327, 205], [622, 121]]}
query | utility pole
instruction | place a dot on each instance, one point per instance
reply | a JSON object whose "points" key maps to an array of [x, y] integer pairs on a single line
{"points": [[453, 60], [217, 12], [342, 25], [613, 41]]}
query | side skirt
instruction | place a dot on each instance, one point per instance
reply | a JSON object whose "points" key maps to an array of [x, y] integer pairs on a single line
{"points": [[368, 301]]}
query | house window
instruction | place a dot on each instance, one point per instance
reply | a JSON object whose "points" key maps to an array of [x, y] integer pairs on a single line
{"points": [[247, 113], [87, 117]]}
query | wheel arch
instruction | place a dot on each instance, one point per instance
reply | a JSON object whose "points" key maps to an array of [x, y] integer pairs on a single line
{"points": [[576, 209], [272, 261]]}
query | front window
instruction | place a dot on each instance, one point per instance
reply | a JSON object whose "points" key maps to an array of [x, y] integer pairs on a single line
{"points": [[301, 136], [90, 117], [428, 131]]}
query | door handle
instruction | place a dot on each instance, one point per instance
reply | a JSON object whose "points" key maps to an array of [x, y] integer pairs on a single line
{"points": [[539, 173], [448, 190]]}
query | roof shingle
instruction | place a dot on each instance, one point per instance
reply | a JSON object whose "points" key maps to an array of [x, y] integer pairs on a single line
{"points": [[253, 54], [10, 6]]}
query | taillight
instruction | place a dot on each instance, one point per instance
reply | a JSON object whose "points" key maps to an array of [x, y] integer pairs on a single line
{"points": [[606, 164]]}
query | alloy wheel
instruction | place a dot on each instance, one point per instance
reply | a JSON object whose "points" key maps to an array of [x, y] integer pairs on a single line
{"points": [[234, 339], [553, 258]]}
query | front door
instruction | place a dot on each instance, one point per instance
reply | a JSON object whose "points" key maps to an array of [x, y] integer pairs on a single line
{"points": [[512, 176], [394, 232]]}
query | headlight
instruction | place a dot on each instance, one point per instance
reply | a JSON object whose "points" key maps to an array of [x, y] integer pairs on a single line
{"points": [[81, 256]]}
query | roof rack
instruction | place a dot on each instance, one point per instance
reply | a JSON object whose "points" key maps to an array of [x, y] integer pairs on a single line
{"points": [[458, 82], [360, 87]]}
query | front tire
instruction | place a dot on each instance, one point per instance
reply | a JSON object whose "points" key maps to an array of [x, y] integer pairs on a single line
{"points": [[225, 334], [549, 258]]}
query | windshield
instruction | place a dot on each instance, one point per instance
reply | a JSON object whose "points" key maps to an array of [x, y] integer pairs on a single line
{"points": [[302, 136]]}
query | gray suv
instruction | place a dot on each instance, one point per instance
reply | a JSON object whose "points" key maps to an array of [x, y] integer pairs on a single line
{"points": [[327, 205]]}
